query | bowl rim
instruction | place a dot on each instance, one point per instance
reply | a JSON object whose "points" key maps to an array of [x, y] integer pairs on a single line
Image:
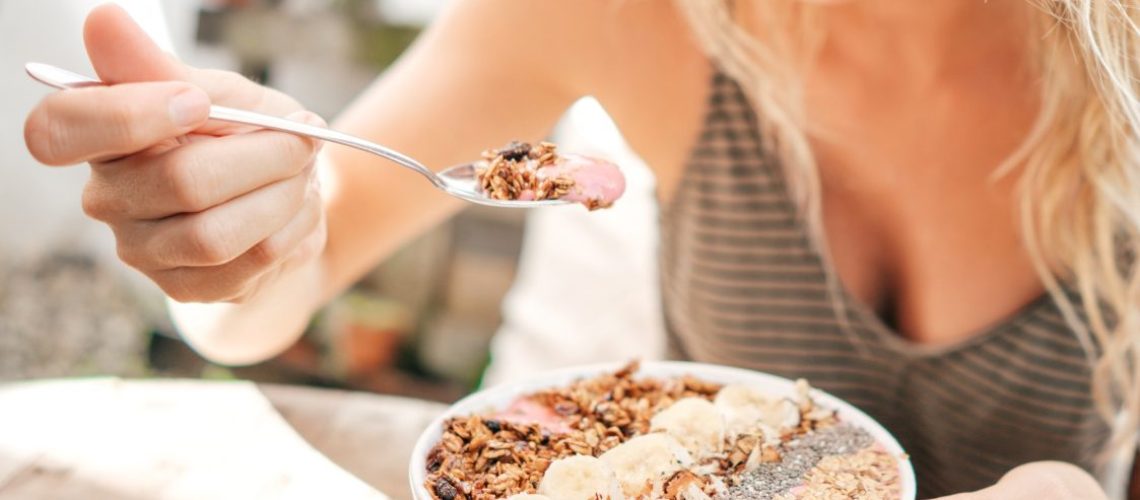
{"points": [[478, 401]]}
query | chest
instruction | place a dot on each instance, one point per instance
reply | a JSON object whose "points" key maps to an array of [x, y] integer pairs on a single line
{"points": [[918, 224]]}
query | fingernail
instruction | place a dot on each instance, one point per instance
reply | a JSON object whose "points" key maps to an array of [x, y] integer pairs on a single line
{"points": [[189, 107]]}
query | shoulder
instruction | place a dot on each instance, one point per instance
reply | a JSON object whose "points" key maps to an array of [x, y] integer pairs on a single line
{"points": [[582, 42], [637, 57]]}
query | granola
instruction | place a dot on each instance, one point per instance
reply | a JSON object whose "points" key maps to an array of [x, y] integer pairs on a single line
{"points": [[522, 171], [511, 173], [620, 436], [867, 474]]}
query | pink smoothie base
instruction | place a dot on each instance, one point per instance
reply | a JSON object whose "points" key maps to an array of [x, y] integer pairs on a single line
{"points": [[597, 183], [525, 411]]}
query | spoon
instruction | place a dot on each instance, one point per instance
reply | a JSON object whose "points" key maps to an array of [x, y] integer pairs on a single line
{"points": [[458, 181]]}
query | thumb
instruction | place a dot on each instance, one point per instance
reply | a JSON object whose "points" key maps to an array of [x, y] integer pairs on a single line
{"points": [[122, 52]]}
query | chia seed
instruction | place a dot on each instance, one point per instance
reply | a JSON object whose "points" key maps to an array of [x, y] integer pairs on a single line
{"points": [[797, 458]]}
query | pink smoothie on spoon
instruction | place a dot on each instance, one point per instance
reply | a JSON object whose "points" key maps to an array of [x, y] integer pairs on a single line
{"points": [[521, 171]]}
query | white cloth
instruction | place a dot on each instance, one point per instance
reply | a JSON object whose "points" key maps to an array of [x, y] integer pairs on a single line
{"points": [[587, 288]]}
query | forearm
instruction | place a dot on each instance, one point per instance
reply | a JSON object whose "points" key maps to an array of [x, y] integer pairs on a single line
{"points": [[455, 94]]}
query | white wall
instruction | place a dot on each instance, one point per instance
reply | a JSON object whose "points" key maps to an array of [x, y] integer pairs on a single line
{"points": [[39, 206]]}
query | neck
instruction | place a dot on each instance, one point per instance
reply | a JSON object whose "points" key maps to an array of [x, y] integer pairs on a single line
{"points": [[929, 37]]}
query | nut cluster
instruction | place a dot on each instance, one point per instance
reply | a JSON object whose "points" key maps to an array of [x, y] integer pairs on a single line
{"points": [[619, 401], [487, 459], [511, 172]]}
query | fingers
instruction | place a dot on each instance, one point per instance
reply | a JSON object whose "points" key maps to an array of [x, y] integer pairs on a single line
{"points": [[195, 176], [86, 124], [1039, 481], [1048, 481], [300, 240], [216, 208], [216, 236]]}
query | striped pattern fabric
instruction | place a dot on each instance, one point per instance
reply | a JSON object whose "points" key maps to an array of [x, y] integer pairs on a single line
{"points": [[743, 285]]}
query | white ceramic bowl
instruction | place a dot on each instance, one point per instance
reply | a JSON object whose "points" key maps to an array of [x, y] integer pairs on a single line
{"points": [[501, 396]]}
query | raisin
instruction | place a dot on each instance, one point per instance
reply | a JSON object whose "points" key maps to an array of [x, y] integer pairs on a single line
{"points": [[445, 490], [514, 151], [435, 459], [493, 425]]}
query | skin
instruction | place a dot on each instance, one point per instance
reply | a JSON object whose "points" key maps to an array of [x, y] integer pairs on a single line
{"points": [[249, 232]]}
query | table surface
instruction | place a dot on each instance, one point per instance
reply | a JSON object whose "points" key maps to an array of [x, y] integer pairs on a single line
{"points": [[143, 439]]}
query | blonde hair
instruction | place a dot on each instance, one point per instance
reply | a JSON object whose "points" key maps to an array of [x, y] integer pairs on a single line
{"points": [[1079, 168]]}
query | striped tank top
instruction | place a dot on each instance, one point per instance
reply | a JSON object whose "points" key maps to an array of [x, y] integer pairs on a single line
{"points": [[744, 285]]}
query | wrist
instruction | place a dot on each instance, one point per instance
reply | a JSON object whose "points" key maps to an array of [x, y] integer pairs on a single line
{"points": [[257, 329]]}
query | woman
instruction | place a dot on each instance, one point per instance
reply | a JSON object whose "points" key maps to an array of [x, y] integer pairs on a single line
{"points": [[973, 166]]}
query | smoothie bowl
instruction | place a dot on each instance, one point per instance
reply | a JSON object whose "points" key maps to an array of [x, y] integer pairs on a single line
{"points": [[657, 430]]}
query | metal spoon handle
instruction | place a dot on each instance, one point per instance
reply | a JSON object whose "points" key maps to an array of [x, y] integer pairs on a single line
{"points": [[64, 79]]}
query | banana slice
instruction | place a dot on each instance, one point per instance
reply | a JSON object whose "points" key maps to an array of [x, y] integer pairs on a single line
{"points": [[747, 410], [579, 477], [695, 422], [528, 496], [741, 406], [782, 414], [643, 463]]}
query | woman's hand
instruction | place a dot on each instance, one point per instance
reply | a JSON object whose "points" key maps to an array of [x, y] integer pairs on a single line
{"points": [[1040, 481], [216, 212], [208, 211]]}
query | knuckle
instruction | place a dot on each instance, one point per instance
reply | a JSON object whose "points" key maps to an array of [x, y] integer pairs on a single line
{"points": [[205, 242], [95, 203], [266, 253], [183, 174]]}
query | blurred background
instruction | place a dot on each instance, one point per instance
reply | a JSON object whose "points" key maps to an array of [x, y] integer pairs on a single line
{"points": [[492, 295]]}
